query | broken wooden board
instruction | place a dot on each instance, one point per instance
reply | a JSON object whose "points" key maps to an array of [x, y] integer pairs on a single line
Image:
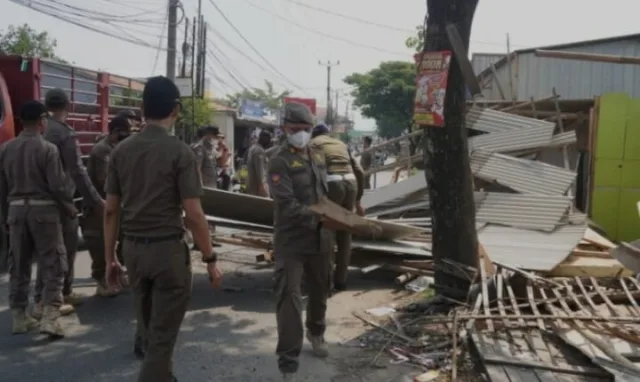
{"points": [[236, 206], [577, 265], [363, 227], [595, 238]]}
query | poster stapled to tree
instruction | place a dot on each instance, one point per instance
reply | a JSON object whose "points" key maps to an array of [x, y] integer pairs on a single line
{"points": [[431, 87]]}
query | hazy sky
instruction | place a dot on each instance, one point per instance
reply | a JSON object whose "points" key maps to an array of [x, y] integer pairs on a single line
{"points": [[294, 51]]}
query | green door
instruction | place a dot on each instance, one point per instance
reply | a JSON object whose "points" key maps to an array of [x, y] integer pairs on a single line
{"points": [[616, 183]]}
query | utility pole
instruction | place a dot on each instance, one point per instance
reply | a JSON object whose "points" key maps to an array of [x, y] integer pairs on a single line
{"points": [[199, 67], [329, 65], [448, 171], [172, 43], [336, 108], [203, 64], [185, 50]]}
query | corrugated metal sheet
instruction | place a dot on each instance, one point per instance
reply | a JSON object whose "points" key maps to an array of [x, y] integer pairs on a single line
{"points": [[530, 250], [395, 191], [392, 247], [494, 121], [522, 175], [539, 212], [515, 140], [482, 61], [572, 79], [563, 139]]}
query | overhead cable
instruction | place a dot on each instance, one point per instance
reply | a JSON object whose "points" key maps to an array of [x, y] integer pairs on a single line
{"points": [[256, 51], [323, 34]]}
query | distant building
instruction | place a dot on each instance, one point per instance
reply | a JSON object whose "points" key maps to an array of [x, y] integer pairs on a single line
{"points": [[537, 76], [483, 61]]}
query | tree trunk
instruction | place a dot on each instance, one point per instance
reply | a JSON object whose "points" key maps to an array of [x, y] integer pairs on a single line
{"points": [[446, 155]]}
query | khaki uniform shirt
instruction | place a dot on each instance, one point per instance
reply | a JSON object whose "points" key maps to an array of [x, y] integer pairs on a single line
{"points": [[152, 172], [30, 168], [207, 158], [66, 140], [297, 180], [256, 169], [339, 160]]}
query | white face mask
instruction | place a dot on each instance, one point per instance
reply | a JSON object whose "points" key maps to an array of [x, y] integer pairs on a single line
{"points": [[300, 139]]}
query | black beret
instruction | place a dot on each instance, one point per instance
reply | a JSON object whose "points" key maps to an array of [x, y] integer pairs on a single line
{"points": [[160, 90], [32, 111], [295, 112], [130, 114], [119, 122], [56, 98]]}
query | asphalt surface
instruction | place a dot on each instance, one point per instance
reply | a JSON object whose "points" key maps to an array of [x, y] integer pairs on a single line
{"points": [[228, 335]]}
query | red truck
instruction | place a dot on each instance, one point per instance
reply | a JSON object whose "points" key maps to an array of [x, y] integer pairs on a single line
{"points": [[95, 97]]}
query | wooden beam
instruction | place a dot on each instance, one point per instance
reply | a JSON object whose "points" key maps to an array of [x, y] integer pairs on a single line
{"points": [[611, 59], [463, 62]]}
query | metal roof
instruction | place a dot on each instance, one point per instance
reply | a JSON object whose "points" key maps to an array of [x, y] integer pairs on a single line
{"points": [[538, 212], [494, 121], [530, 250], [522, 175], [514, 140]]}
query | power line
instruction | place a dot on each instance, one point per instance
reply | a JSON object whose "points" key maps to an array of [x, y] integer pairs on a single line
{"points": [[323, 34], [352, 18], [233, 76], [256, 51], [80, 24]]}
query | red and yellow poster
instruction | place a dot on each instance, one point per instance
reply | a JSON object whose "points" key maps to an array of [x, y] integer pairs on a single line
{"points": [[431, 87]]}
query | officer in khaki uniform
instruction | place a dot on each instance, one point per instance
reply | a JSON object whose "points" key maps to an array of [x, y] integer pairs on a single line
{"points": [[257, 166], [345, 179], [91, 223], [34, 196], [208, 155], [64, 137], [297, 180], [366, 161], [152, 178]]}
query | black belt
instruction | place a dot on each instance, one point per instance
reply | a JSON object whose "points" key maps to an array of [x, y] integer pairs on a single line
{"points": [[152, 239]]}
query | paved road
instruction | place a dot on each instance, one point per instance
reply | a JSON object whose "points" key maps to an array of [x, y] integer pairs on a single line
{"points": [[226, 336]]}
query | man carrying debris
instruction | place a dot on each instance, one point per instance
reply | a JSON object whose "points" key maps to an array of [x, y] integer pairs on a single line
{"points": [[34, 197], [152, 178], [345, 180], [297, 181], [64, 137], [366, 160], [257, 166], [92, 227]]}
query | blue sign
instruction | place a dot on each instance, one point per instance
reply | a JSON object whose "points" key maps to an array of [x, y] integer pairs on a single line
{"points": [[254, 110]]}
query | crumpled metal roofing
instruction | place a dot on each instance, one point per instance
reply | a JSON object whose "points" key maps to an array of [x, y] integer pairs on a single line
{"points": [[535, 137], [537, 212], [494, 121], [522, 175], [530, 250]]}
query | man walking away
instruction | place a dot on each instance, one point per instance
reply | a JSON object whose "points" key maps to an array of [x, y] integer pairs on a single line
{"points": [[297, 180], [34, 197], [152, 178], [65, 139], [257, 166], [92, 227], [366, 160], [345, 180]]}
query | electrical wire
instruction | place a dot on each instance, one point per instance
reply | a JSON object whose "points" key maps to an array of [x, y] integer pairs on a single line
{"points": [[352, 18], [256, 51], [211, 54], [84, 25], [225, 60], [323, 34], [160, 41]]}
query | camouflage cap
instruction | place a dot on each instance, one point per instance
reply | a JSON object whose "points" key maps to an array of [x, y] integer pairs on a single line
{"points": [[56, 98], [295, 112]]}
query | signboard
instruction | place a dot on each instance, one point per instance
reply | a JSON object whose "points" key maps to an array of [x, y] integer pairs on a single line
{"points": [[310, 102], [256, 110], [431, 87], [184, 86]]}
